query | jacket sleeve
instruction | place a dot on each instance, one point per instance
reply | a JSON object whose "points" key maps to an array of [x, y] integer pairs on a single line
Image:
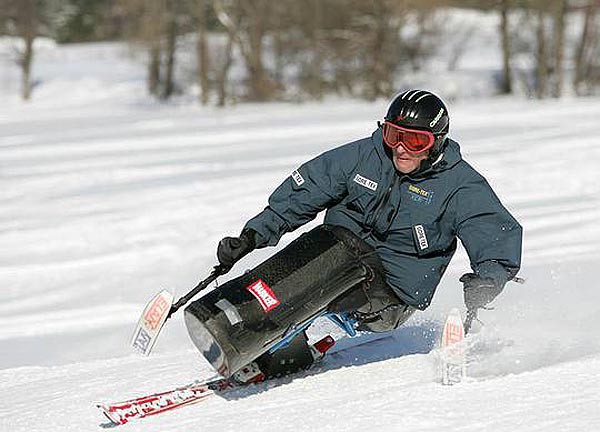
{"points": [[315, 186], [489, 233]]}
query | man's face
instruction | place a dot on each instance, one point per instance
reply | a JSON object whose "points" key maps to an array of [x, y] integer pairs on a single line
{"points": [[407, 162]]}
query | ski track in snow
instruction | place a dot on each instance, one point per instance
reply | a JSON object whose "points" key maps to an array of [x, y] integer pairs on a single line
{"points": [[105, 202]]}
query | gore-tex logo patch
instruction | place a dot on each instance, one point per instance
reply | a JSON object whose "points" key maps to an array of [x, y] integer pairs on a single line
{"points": [[264, 294], [420, 195], [363, 181], [421, 237], [298, 178]]}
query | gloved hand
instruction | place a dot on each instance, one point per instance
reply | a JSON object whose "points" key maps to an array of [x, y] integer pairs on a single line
{"points": [[479, 291], [232, 249]]}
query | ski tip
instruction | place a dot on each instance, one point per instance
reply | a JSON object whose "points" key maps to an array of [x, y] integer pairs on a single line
{"points": [[454, 313], [106, 412], [101, 407]]}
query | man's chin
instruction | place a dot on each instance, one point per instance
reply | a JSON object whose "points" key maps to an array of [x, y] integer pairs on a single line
{"points": [[405, 166]]}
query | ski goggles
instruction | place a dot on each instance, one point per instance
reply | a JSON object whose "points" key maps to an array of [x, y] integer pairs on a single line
{"points": [[413, 140]]}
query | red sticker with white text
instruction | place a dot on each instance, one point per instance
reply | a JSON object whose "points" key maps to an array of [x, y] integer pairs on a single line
{"points": [[264, 294], [156, 312], [453, 333]]}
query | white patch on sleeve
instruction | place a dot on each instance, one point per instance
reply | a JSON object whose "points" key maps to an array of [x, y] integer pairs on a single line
{"points": [[421, 237], [363, 181], [298, 178]]}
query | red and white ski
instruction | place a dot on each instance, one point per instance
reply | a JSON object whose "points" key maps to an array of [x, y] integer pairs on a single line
{"points": [[123, 412]]}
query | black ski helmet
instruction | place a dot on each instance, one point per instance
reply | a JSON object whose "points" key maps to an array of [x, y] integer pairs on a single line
{"points": [[421, 109]]}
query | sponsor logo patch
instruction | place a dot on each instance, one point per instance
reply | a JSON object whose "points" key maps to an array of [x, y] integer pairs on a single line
{"points": [[298, 178], [264, 294], [420, 195], [437, 118], [421, 237], [156, 312], [363, 181]]}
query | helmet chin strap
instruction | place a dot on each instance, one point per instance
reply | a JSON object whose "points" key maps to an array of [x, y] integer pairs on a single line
{"points": [[438, 150], [439, 158]]}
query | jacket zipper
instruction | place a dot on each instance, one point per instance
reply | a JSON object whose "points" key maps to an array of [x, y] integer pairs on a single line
{"points": [[383, 204], [386, 197]]}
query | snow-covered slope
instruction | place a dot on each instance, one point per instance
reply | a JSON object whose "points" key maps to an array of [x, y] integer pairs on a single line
{"points": [[105, 201]]}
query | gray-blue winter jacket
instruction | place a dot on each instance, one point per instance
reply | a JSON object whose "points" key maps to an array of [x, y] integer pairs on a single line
{"points": [[413, 221]]}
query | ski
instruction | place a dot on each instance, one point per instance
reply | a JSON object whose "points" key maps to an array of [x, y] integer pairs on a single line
{"points": [[123, 412], [452, 351]]}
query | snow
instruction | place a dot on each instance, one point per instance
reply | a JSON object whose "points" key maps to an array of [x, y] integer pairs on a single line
{"points": [[108, 197]]}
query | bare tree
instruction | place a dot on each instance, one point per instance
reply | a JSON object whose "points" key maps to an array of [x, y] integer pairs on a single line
{"points": [[227, 59], [542, 56], [154, 57], [353, 47], [585, 47], [256, 12], [378, 62], [154, 25], [247, 22], [358, 46], [22, 17], [560, 13], [170, 49], [224, 58], [506, 86], [201, 8], [314, 78], [27, 23], [146, 29]]}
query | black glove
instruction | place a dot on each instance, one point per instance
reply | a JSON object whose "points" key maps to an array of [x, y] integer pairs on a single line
{"points": [[232, 249], [479, 291]]}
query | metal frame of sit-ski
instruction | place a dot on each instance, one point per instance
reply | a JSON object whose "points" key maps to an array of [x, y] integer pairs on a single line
{"points": [[342, 320]]}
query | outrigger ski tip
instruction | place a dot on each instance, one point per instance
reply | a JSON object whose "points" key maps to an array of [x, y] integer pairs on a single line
{"points": [[452, 349], [159, 310], [151, 322]]}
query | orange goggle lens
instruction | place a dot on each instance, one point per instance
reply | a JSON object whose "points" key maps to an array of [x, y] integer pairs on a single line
{"points": [[413, 140]]}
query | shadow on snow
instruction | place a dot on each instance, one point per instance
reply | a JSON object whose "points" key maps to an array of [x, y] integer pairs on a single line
{"points": [[365, 348]]}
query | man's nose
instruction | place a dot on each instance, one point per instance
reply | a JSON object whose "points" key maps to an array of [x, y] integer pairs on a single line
{"points": [[400, 150]]}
